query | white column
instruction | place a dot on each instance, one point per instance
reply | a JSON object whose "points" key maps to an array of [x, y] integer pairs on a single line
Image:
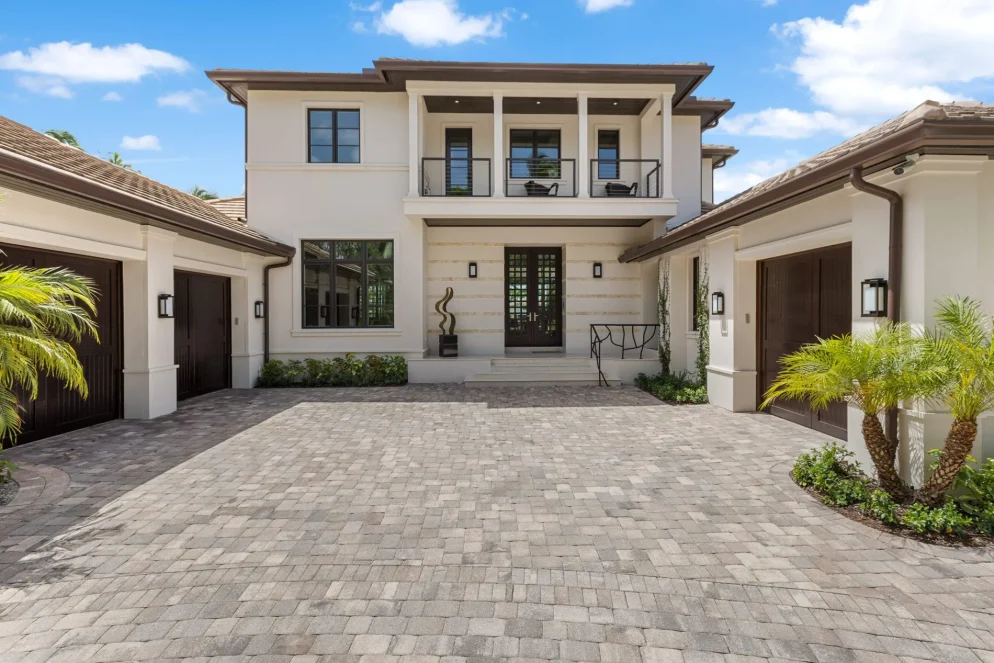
{"points": [[414, 143], [582, 156], [149, 361], [499, 165], [666, 146], [247, 331]]}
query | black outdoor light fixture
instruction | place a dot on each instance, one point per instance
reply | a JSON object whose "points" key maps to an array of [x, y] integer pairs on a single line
{"points": [[472, 270], [717, 303], [260, 309], [598, 270], [874, 298], [165, 306]]}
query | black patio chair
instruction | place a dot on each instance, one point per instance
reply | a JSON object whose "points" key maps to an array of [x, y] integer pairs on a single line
{"points": [[619, 190], [533, 188]]}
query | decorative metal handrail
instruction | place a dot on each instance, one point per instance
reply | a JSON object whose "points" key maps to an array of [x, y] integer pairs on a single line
{"points": [[524, 177], [448, 176], [649, 332], [623, 178]]}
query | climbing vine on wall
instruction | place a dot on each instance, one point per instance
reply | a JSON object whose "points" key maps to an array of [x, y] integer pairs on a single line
{"points": [[703, 320], [664, 316]]}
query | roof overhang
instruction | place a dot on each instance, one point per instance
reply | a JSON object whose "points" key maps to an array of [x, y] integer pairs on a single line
{"points": [[709, 110], [719, 154], [925, 137], [72, 188]]}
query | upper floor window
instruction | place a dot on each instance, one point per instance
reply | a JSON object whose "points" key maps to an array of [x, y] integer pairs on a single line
{"points": [[608, 153], [333, 135], [347, 283], [535, 153]]}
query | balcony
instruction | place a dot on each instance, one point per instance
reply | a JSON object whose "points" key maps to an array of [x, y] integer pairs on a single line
{"points": [[540, 178], [463, 178], [625, 178]]}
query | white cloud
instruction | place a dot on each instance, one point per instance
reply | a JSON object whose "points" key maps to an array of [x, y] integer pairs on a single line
{"points": [[887, 56], [731, 180], [147, 142], [438, 22], [789, 123], [359, 27], [372, 7], [770, 3], [82, 63], [595, 6], [112, 96], [191, 100], [51, 86]]}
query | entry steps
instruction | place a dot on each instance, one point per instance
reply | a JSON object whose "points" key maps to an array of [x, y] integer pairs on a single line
{"points": [[539, 372]]}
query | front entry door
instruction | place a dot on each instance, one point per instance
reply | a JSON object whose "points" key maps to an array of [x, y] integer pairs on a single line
{"points": [[533, 315]]}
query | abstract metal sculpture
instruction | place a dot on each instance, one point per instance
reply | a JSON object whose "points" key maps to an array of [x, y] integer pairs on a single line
{"points": [[441, 308]]}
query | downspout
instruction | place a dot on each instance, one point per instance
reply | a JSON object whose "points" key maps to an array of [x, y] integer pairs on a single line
{"points": [[895, 255], [265, 304]]}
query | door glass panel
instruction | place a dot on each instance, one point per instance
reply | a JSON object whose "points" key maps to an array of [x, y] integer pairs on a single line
{"points": [[348, 294], [459, 152], [379, 295], [547, 294], [517, 294]]}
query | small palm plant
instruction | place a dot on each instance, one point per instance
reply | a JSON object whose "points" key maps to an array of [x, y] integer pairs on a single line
{"points": [[202, 193], [42, 312], [116, 159], [64, 137], [873, 372], [963, 345]]}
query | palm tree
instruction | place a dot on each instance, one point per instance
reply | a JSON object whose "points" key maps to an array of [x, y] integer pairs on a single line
{"points": [[872, 372], [115, 158], [963, 343], [202, 193], [64, 137], [42, 312]]}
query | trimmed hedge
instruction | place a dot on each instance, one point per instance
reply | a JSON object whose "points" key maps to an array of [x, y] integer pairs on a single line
{"points": [[347, 371]]}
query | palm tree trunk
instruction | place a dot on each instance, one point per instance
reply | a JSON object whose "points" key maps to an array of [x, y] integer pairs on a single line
{"points": [[882, 452], [958, 445]]}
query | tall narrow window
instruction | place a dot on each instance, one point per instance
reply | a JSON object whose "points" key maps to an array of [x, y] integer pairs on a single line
{"points": [[347, 283], [333, 135], [696, 278], [608, 153], [535, 154]]}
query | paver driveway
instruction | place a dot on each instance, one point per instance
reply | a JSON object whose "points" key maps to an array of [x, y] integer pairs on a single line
{"points": [[436, 523]]}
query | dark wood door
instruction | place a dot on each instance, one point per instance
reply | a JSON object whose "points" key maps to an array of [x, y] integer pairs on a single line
{"points": [[56, 409], [533, 315], [803, 297], [202, 308], [458, 161]]}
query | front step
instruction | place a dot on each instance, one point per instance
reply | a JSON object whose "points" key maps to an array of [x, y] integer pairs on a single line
{"points": [[539, 372]]}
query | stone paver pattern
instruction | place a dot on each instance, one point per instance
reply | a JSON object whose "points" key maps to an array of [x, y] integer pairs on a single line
{"points": [[436, 523]]}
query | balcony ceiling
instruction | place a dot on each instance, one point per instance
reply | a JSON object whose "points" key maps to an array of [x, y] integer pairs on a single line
{"points": [[534, 105], [538, 222]]}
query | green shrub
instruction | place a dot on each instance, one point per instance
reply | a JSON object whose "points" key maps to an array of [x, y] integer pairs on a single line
{"points": [[831, 471], [945, 519], [976, 494], [6, 471], [347, 371], [882, 507], [673, 388]]}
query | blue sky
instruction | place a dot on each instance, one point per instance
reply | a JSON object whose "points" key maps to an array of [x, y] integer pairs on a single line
{"points": [[805, 74]]}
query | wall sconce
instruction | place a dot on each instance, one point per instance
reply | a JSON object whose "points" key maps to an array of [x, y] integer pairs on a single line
{"points": [[598, 270], [165, 306], [874, 299], [717, 303], [260, 309], [472, 270]]}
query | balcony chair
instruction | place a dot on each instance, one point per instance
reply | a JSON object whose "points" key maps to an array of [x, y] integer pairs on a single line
{"points": [[533, 188], [619, 190]]}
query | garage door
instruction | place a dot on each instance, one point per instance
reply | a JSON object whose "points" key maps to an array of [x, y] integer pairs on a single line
{"points": [[58, 410], [801, 297], [202, 307]]}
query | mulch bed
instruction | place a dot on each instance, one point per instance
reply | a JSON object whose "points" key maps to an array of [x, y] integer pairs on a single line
{"points": [[852, 512]]}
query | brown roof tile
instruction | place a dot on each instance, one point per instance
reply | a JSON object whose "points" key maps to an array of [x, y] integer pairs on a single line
{"points": [[24, 142], [233, 208]]}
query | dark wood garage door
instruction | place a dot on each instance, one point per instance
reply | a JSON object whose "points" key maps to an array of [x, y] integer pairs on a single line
{"points": [[58, 410], [202, 307], [801, 297]]}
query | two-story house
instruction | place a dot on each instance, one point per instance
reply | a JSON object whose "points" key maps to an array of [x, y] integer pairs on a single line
{"points": [[515, 185]]}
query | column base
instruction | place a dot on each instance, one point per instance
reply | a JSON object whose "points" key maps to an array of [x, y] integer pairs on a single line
{"points": [[149, 392], [732, 390], [245, 369]]}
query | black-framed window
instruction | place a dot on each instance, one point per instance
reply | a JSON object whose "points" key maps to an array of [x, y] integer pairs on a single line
{"points": [[347, 283], [333, 135], [535, 153], [608, 153], [696, 278]]}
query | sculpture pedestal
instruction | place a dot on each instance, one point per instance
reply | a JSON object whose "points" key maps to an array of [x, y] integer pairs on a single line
{"points": [[448, 345]]}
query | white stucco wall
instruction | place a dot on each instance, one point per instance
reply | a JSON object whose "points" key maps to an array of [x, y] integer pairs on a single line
{"points": [[707, 180]]}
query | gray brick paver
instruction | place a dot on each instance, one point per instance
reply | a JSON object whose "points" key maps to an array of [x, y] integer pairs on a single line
{"points": [[435, 523]]}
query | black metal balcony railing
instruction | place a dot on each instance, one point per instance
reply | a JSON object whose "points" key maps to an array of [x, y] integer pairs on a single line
{"points": [[442, 176], [625, 178], [641, 338], [540, 178]]}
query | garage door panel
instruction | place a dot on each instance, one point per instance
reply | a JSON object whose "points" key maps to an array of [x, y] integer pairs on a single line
{"points": [[203, 333], [803, 297]]}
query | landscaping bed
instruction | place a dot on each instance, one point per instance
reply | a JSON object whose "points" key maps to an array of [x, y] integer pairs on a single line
{"points": [[347, 371], [673, 389], [964, 519]]}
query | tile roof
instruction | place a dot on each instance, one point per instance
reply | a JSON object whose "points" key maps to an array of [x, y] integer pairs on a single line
{"points": [[233, 207], [22, 141], [739, 205]]}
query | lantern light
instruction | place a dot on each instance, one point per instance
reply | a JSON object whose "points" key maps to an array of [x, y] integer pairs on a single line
{"points": [[165, 305], [260, 309], [874, 298], [598, 270], [717, 303], [472, 270]]}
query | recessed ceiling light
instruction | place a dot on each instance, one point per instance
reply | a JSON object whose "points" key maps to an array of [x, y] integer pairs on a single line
{"points": [[538, 103], [457, 101], [615, 103]]}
